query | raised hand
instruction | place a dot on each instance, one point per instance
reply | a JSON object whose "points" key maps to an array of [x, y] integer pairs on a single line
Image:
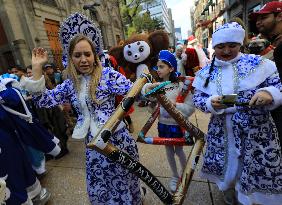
{"points": [[39, 57]]}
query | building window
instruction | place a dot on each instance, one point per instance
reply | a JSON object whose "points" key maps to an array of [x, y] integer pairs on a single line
{"points": [[118, 39], [52, 30], [48, 2], [116, 25]]}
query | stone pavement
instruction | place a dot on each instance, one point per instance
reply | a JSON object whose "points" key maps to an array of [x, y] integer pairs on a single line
{"points": [[66, 177]]}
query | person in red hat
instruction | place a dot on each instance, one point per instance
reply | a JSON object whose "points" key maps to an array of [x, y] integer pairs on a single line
{"points": [[196, 57], [269, 21]]}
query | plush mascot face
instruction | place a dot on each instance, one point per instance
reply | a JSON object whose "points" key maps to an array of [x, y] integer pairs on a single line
{"points": [[136, 52]]}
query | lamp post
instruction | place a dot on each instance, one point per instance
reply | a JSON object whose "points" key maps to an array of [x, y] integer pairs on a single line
{"points": [[91, 6], [92, 10]]}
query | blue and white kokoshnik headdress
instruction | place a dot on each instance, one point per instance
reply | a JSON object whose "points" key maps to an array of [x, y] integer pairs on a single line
{"points": [[79, 24]]}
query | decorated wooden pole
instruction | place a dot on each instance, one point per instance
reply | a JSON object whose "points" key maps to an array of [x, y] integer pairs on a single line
{"points": [[178, 117], [138, 169], [188, 172], [187, 139], [105, 133], [148, 125], [169, 141], [192, 161]]}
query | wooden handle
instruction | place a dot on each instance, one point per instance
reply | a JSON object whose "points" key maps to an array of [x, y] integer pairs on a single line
{"points": [[188, 172], [121, 110]]}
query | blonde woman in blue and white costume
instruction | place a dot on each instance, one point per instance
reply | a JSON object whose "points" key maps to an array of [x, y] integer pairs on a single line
{"points": [[91, 90], [243, 156]]}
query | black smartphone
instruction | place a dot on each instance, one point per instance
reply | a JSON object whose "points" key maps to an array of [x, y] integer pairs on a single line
{"points": [[229, 100]]}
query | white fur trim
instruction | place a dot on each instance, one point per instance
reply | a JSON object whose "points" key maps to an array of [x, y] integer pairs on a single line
{"points": [[82, 127], [55, 151], [276, 95], [230, 32], [28, 202], [5, 81], [3, 190], [2, 87], [264, 70], [210, 107], [33, 86], [258, 197], [27, 116], [56, 140], [230, 110], [34, 190]]}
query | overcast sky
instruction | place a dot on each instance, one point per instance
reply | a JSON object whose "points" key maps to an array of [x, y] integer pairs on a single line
{"points": [[181, 14]]}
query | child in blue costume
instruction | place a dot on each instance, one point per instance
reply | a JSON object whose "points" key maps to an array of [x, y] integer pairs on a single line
{"points": [[18, 128], [243, 155], [167, 126]]}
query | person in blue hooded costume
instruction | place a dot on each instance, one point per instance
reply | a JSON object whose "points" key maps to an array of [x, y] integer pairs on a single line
{"points": [[18, 129]]}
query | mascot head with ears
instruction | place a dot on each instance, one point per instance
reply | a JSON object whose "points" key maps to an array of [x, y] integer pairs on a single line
{"points": [[140, 52]]}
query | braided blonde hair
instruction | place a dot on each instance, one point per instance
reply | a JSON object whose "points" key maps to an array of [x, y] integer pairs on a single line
{"points": [[97, 67]]}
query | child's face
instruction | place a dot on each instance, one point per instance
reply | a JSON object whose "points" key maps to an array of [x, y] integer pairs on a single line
{"points": [[164, 70], [227, 51]]}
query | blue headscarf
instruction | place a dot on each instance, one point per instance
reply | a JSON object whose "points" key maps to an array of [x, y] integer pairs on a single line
{"points": [[169, 58]]}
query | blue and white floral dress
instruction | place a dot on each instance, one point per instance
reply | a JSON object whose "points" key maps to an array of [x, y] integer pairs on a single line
{"points": [[107, 182], [243, 149]]}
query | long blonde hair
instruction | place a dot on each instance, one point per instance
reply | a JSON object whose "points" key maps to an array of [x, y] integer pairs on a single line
{"points": [[97, 67]]}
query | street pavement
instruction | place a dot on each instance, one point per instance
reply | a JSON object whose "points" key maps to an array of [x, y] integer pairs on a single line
{"points": [[66, 176]]}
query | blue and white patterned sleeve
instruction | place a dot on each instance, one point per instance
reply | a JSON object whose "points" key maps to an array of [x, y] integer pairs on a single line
{"points": [[59, 95], [118, 83], [273, 85], [200, 100]]}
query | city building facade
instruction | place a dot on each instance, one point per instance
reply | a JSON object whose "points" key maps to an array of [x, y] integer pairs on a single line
{"points": [[178, 35], [25, 24], [158, 9], [206, 16]]}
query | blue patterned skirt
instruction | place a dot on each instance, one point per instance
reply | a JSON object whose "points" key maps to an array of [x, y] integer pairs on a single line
{"points": [[108, 183], [169, 131]]}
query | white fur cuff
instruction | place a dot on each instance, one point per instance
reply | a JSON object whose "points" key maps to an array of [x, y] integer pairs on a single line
{"points": [[276, 95], [2, 87], [33, 86], [55, 151]]}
